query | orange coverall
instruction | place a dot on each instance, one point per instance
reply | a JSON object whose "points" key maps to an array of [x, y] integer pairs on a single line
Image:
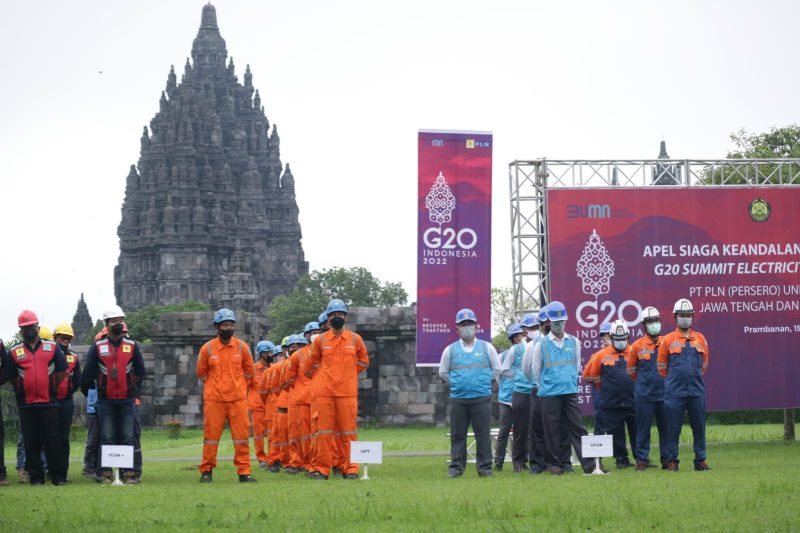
{"points": [[226, 371], [299, 410], [337, 361], [255, 400]]}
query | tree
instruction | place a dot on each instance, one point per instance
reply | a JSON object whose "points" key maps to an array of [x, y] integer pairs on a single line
{"points": [[357, 286], [778, 143], [140, 322]]}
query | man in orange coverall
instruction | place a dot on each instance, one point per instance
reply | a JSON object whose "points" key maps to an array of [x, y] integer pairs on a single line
{"points": [[276, 385], [256, 399], [225, 366], [338, 355], [300, 404]]}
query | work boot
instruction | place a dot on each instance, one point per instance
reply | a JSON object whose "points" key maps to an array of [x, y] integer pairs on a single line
{"points": [[641, 466], [205, 477], [318, 476], [701, 466], [672, 466], [246, 478]]}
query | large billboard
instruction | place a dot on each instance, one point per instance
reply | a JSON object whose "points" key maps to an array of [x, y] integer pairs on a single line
{"points": [[454, 207], [733, 251]]}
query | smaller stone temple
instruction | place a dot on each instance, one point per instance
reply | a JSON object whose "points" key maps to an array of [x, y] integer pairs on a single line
{"points": [[81, 321]]}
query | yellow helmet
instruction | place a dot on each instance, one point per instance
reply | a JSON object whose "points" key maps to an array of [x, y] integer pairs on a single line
{"points": [[45, 333], [64, 329]]}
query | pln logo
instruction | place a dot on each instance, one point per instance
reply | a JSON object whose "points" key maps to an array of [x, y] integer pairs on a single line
{"points": [[595, 269], [441, 203]]}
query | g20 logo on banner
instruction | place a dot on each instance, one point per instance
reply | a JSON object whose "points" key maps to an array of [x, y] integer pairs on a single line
{"points": [[595, 268], [442, 243]]}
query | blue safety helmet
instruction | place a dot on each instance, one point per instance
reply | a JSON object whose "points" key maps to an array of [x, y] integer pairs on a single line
{"points": [[323, 318], [223, 315], [514, 329], [264, 346], [336, 305], [465, 314], [310, 327], [529, 320], [556, 311], [543, 314], [605, 327]]}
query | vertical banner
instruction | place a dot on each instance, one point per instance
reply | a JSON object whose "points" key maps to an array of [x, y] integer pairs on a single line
{"points": [[733, 251], [454, 214]]}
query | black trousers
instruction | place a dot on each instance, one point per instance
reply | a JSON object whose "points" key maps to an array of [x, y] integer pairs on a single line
{"points": [[40, 428], [502, 435], [563, 429], [463, 412], [521, 420], [536, 443], [66, 410]]}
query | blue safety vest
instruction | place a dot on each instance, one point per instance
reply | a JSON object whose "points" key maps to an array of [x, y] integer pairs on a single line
{"points": [[470, 373], [685, 374], [506, 389], [521, 383], [649, 383], [559, 367]]}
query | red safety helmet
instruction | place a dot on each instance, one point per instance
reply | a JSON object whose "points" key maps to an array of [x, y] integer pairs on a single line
{"points": [[27, 318]]}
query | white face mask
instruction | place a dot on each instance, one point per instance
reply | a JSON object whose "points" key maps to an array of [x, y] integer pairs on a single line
{"points": [[557, 327], [654, 328], [620, 345], [684, 322], [533, 335], [467, 332]]}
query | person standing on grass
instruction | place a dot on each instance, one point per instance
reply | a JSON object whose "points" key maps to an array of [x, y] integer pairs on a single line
{"points": [[505, 395], [555, 366], [682, 361], [649, 390], [225, 366], [520, 399], [469, 365]]}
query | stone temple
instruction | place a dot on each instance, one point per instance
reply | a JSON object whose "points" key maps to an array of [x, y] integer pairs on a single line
{"points": [[209, 213]]}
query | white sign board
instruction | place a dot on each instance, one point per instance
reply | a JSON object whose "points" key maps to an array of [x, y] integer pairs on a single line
{"points": [[116, 456], [597, 445], [366, 452]]}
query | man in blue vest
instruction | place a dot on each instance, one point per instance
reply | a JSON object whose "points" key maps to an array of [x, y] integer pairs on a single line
{"points": [[555, 365], [469, 365], [520, 399], [505, 393]]}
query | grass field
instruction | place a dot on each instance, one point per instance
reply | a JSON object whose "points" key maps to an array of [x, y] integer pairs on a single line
{"points": [[754, 486]]}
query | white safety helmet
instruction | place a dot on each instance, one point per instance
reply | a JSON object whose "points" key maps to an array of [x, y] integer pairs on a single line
{"points": [[619, 331], [650, 313], [113, 312], [683, 306]]}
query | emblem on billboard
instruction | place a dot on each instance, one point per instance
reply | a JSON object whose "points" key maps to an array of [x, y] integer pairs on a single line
{"points": [[440, 201], [759, 210], [595, 267]]}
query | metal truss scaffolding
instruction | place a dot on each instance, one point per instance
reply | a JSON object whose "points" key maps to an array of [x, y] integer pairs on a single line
{"points": [[529, 181]]}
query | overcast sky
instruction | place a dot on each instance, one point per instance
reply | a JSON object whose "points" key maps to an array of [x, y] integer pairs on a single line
{"points": [[349, 84]]}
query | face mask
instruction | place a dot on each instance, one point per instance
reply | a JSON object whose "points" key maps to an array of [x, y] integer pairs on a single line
{"points": [[533, 335], [30, 334], [684, 322], [467, 332], [225, 334], [654, 328], [620, 345], [116, 329], [557, 327], [337, 322]]}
